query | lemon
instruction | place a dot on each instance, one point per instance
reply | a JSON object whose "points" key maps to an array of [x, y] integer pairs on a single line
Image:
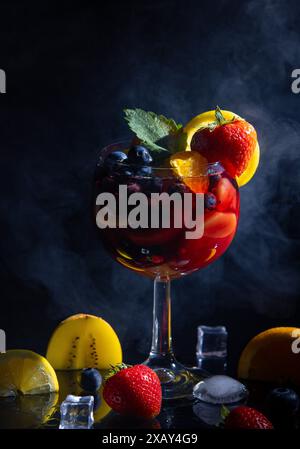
{"points": [[251, 168], [203, 120], [83, 341], [272, 356], [25, 372]]}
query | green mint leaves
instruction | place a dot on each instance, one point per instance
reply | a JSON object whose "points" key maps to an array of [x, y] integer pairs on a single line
{"points": [[156, 132]]}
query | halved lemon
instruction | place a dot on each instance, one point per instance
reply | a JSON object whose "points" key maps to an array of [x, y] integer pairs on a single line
{"points": [[273, 356], [25, 372], [203, 120]]}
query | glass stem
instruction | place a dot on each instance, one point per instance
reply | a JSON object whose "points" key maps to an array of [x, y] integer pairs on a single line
{"points": [[161, 347], [176, 381]]}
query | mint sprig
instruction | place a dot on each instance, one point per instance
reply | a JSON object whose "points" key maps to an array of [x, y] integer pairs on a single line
{"points": [[157, 132]]}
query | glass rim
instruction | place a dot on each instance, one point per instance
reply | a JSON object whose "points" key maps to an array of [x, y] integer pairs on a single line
{"points": [[212, 168]]}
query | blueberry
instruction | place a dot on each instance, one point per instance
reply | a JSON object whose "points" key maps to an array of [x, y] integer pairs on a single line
{"points": [[90, 379], [144, 171], [116, 156], [113, 162], [139, 155], [210, 201], [283, 401]]}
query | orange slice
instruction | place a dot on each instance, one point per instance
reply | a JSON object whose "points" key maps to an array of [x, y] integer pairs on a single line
{"points": [[273, 355], [192, 168]]}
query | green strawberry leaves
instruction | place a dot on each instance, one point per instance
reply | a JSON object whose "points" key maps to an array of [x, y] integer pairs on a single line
{"points": [[114, 369], [220, 120]]}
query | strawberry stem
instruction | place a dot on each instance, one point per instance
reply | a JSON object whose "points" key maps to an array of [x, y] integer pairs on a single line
{"points": [[220, 120], [114, 369], [219, 116]]}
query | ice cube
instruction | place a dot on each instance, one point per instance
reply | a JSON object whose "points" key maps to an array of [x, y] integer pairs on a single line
{"points": [[220, 390], [76, 412]]}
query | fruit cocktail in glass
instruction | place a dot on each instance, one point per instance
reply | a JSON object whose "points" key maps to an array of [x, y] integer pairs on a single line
{"points": [[201, 200]]}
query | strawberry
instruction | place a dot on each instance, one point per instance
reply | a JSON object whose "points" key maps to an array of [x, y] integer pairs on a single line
{"points": [[134, 391], [243, 417], [226, 196], [231, 142]]}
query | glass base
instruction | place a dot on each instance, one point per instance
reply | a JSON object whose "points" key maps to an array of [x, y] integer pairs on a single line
{"points": [[177, 381]]}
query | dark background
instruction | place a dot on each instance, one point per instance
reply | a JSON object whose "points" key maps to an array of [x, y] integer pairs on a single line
{"points": [[71, 68]]}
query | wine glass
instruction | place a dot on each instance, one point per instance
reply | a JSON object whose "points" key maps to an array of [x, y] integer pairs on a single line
{"points": [[164, 253]]}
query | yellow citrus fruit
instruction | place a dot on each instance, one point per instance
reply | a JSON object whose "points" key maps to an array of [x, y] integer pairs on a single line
{"points": [[192, 167], [83, 341], [251, 168], [26, 372], [272, 356], [203, 120]]}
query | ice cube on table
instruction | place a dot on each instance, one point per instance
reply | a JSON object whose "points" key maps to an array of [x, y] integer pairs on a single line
{"points": [[220, 389], [76, 412]]}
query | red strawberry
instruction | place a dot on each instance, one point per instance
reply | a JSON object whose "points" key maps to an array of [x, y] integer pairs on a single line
{"points": [[231, 142], [134, 391], [243, 417], [226, 195]]}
